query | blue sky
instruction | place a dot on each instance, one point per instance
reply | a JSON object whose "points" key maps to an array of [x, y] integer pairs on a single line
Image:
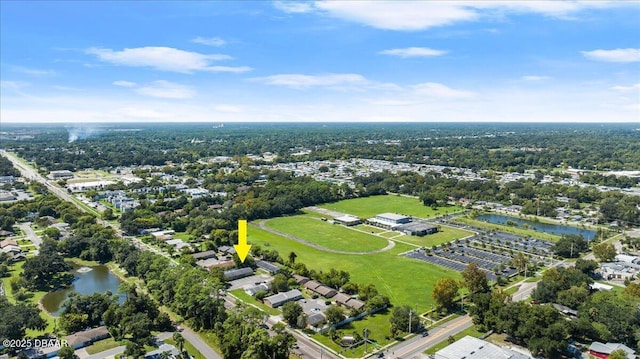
{"points": [[516, 61]]}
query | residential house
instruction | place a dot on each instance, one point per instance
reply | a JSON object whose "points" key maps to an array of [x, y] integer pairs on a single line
{"points": [[87, 337], [279, 299], [238, 273]]}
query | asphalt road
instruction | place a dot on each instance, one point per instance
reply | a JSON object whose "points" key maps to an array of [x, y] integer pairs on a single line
{"points": [[416, 345], [31, 235]]}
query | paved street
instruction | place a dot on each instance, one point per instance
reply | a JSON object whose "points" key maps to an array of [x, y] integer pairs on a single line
{"points": [[418, 344], [524, 291], [199, 344], [31, 235]]}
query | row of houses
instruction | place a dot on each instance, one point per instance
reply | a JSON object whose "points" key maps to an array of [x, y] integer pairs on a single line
{"points": [[341, 299]]}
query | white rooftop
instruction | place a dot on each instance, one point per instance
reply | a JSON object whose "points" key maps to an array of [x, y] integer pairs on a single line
{"points": [[391, 216], [474, 348]]}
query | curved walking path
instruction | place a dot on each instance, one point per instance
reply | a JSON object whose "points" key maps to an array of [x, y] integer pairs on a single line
{"points": [[261, 224]]}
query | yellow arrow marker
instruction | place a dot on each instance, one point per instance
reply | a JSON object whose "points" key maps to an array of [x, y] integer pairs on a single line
{"points": [[242, 248]]}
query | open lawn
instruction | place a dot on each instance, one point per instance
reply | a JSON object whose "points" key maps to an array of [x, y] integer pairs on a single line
{"points": [[378, 326], [446, 234], [327, 235], [403, 280], [369, 229], [188, 347], [508, 229], [392, 235], [366, 207], [243, 296], [104, 344], [471, 331], [33, 297]]}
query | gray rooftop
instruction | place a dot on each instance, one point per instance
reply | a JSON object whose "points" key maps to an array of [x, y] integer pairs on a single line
{"points": [[268, 266], [283, 297]]}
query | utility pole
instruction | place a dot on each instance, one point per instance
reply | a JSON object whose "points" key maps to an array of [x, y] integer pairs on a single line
{"points": [[571, 255], [410, 313], [366, 340]]}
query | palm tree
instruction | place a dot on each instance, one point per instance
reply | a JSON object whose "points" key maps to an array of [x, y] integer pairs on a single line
{"points": [[292, 257], [179, 339]]}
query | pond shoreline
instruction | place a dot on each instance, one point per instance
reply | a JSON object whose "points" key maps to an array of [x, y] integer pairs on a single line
{"points": [[539, 226], [95, 278]]}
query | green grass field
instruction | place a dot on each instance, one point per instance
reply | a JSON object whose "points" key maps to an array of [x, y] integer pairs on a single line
{"points": [[367, 207], [378, 326], [403, 280], [471, 331], [327, 235], [243, 296], [369, 229], [104, 344], [14, 271]]}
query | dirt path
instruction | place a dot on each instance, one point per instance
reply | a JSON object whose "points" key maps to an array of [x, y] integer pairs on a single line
{"points": [[261, 224]]}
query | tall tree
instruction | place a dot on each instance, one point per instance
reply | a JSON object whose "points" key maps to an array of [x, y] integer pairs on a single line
{"points": [[290, 312], [179, 339], [605, 252], [475, 279], [292, 257], [520, 261], [445, 291]]}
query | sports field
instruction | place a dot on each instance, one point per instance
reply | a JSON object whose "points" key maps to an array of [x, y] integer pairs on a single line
{"points": [[366, 207], [403, 280], [325, 234]]}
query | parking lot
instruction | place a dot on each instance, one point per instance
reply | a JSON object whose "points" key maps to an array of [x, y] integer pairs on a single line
{"points": [[458, 258], [313, 306]]}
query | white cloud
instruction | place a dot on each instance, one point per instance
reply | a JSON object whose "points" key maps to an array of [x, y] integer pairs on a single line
{"points": [[616, 55], [32, 72], [293, 7], [209, 41], [397, 15], [14, 85], [66, 88], [123, 83], [434, 89], [413, 52], [422, 15], [389, 102], [165, 59], [305, 81], [535, 78], [166, 89], [627, 88]]}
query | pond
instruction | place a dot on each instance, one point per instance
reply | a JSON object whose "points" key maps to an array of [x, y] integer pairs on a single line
{"points": [[88, 280], [552, 228]]}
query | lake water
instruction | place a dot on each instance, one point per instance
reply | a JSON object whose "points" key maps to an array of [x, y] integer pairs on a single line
{"points": [[557, 229], [88, 280]]}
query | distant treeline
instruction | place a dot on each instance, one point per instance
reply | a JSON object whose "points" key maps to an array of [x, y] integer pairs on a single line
{"points": [[504, 147]]}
